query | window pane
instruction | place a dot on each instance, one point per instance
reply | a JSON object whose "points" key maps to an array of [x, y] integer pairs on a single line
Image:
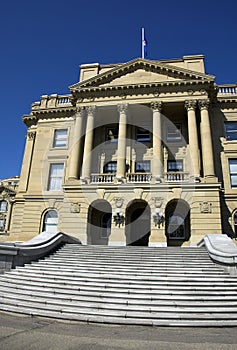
{"points": [[55, 177], [142, 167], [110, 167], [231, 131], [3, 206], [143, 135], [50, 221], [173, 132], [60, 138], [175, 165]]}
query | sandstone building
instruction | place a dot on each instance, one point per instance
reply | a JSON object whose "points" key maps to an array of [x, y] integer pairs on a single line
{"points": [[143, 152]]}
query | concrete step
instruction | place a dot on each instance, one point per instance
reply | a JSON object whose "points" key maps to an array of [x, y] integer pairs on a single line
{"points": [[126, 285]]}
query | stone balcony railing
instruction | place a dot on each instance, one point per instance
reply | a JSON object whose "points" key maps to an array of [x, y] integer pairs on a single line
{"points": [[141, 177], [53, 101], [227, 89], [102, 178], [177, 176]]}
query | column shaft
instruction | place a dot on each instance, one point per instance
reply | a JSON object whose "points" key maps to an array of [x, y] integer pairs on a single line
{"points": [[121, 159], [207, 151], [75, 153], [87, 156], [157, 160], [193, 137]]}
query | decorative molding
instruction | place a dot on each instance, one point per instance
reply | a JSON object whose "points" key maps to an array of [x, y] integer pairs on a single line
{"points": [[205, 207], [75, 207], [119, 201], [204, 104], [31, 135], [122, 108], [156, 106], [91, 110], [190, 104], [158, 201]]}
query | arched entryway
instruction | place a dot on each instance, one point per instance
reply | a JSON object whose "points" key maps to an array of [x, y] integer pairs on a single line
{"points": [[138, 223], [177, 222], [99, 222]]}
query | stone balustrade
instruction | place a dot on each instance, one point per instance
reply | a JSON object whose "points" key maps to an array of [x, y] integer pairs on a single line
{"points": [[227, 89]]}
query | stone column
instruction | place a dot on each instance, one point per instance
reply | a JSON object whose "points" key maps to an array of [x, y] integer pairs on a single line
{"points": [[87, 156], [27, 161], [76, 150], [193, 137], [206, 139], [121, 159], [157, 160]]}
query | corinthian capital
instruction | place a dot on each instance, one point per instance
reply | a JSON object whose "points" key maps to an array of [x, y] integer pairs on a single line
{"points": [[122, 108], [190, 104], [91, 110], [204, 104], [79, 112], [156, 106]]}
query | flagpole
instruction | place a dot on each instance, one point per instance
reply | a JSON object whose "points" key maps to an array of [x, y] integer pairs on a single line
{"points": [[143, 38]]}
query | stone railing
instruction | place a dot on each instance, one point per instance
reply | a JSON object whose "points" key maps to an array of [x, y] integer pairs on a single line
{"points": [[230, 89], [221, 249], [139, 177], [176, 176], [53, 101], [102, 178], [17, 254]]}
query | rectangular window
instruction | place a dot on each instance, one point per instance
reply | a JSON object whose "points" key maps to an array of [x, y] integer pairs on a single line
{"points": [[2, 224], [142, 135], [233, 172], [175, 165], [231, 131], [110, 168], [60, 138], [3, 206], [143, 166], [173, 133], [112, 133], [55, 177]]}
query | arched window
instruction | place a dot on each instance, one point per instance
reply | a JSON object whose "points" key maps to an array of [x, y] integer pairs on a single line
{"points": [[50, 221], [3, 206]]}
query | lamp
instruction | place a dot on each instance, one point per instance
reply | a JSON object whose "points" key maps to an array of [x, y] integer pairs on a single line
{"points": [[158, 218], [118, 217]]}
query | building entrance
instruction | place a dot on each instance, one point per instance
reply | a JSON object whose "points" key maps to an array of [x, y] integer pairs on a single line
{"points": [[177, 225], [138, 223], [99, 222]]}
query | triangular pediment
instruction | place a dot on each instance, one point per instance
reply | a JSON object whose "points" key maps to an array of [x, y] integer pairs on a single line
{"points": [[141, 71]]}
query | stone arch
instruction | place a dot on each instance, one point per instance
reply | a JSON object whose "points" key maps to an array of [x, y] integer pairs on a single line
{"points": [[99, 222], [50, 221], [138, 223], [177, 222]]}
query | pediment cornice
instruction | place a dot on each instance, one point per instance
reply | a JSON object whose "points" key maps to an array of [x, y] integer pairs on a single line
{"points": [[180, 76]]}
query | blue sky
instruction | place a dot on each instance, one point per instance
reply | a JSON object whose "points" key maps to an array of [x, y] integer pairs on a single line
{"points": [[44, 42]]}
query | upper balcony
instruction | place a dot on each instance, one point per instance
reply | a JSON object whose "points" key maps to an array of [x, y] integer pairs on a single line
{"points": [[169, 177]]}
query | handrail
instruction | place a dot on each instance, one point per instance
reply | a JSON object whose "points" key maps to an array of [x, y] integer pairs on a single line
{"points": [[14, 254], [221, 249]]}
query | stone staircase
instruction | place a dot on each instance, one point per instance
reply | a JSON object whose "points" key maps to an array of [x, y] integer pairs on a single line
{"points": [[124, 285]]}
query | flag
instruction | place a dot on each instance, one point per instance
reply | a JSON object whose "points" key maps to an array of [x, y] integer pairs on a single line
{"points": [[144, 44], [145, 47]]}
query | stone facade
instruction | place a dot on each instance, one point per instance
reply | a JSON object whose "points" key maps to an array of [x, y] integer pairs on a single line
{"points": [[8, 189], [143, 152]]}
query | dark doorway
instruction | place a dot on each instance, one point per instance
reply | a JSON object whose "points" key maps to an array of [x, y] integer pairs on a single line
{"points": [[177, 222], [99, 222], [138, 223]]}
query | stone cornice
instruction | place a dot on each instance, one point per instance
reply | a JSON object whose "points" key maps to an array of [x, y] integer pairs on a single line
{"points": [[155, 66]]}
